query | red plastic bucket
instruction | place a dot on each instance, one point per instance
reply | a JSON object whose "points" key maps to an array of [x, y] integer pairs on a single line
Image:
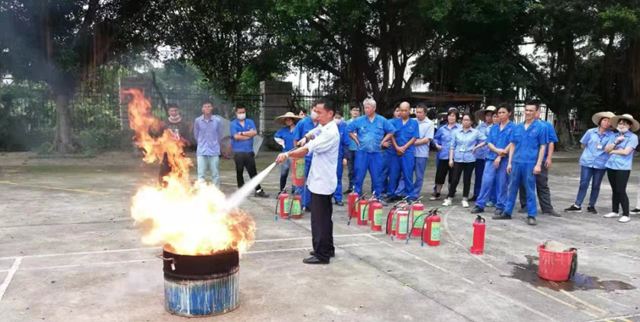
{"points": [[554, 266]]}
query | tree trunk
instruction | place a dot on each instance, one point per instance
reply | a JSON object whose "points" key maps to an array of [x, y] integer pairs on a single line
{"points": [[562, 127], [63, 138]]}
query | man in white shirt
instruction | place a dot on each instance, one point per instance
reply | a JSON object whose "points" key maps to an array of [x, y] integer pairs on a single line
{"points": [[323, 144], [426, 127]]}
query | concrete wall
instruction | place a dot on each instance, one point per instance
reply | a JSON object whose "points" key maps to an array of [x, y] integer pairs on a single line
{"points": [[275, 102]]}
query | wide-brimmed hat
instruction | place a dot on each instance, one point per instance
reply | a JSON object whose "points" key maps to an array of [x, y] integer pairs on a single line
{"points": [[289, 115], [635, 125], [480, 114], [596, 118]]}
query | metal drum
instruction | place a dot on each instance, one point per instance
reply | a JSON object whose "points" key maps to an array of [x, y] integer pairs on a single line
{"points": [[201, 285]]}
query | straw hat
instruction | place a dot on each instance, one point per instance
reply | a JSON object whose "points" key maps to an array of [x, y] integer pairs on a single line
{"points": [[480, 114], [596, 118], [635, 125], [289, 115]]}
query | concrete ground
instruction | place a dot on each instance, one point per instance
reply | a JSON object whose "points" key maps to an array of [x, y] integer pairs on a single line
{"points": [[69, 252]]}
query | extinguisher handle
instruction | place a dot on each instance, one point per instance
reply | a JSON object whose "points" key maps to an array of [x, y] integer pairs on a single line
{"points": [[480, 219]]}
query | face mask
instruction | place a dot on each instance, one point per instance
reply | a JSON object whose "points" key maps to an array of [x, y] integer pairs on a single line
{"points": [[242, 116], [338, 121], [314, 115], [622, 129]]}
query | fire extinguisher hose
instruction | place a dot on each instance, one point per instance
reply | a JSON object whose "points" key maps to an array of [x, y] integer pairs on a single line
{"points": [[355, 204]]}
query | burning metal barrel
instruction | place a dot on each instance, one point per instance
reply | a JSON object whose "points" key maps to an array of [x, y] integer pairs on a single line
{"points": [[201, 285]]}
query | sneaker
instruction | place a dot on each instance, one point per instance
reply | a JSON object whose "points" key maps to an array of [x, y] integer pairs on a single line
{"points": [[624, 219], [574, 208], [474, 198], [465, 203], [531, 221], [447, 202], [612, 215], [592, 210], [490, 204], [553, 213], [477, 210], [261, 194], [435, 196], [635, 211], [522, 210]]}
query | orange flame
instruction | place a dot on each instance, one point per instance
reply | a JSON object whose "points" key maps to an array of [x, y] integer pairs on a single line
{"points": [[189, 220]]}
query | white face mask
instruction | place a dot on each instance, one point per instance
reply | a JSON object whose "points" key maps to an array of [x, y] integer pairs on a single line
{"points": [[337, 121], [242, 116], [622, 129], [314, 115]]}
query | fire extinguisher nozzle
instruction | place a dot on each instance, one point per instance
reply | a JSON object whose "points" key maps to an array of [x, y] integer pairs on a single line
{"points": [[422, 244]]}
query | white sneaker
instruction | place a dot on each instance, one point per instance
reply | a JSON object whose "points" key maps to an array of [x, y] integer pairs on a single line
{"points": [[465, 203], [612, 215], [624, 219], [447, 202]]}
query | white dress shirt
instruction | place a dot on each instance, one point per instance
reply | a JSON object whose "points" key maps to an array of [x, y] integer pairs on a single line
{"points": [[324, 148], [426, 128]]}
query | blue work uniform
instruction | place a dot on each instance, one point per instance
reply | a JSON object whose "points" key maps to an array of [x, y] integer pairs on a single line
{"points": [[286, 134], [369, 157], [342, 153], [351, 158], [303, 127], [443, 137], [623, 162], [593, 164], [527, 143], [403, 165], [463, 143], [496, 179], [480, 155], [235, 128]]}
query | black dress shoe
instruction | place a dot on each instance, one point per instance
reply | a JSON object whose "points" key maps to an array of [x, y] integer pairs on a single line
{"points": [[348, 191], [476, 210], [331, 253], [314, 260], [501, 216]]}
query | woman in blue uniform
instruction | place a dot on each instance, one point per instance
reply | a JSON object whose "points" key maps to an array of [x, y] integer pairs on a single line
{"points": [[442, 139]]}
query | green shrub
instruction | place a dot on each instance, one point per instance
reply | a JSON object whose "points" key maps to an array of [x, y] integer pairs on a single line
{"points": [[98, 140]]}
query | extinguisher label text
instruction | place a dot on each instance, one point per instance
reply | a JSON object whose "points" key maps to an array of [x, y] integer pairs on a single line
{"points": [[300, 168], [296, 207], [435, 231], [403, 225], [287, 204], [363, 213], [377, 217], [418, 223]]}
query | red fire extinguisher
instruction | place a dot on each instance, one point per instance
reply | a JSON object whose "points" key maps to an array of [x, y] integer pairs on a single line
{"points": [[296, 207], [363, 216], [431, 229], [355, 208], [353, 198], [478, 236], [391, 218], [297, 172], [417, 218], [283, 204], [375, 215], [402, 224]]}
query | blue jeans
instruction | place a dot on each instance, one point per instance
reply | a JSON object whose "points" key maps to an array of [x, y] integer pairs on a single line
{"points": [[211, 162], [586, 174], [284, 173], [421, 166]]}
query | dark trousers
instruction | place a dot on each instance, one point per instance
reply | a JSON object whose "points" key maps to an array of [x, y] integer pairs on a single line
{"points": [[618, 180], [477, 185], [322, 225], [443, 170], [165, 169], [245, 160], [351, 160], [458, 169], [542, 188]]}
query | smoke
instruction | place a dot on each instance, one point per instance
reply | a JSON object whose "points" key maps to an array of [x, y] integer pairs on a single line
{"points": [[241, 195]]}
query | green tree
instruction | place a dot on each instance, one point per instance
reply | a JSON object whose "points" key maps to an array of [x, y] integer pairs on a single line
{"points": [[63, 43]]}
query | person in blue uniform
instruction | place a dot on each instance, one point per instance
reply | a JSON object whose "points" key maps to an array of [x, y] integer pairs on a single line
{"points": [[495, 170], [485, 115], [621, 152], [387, 153], [345, 140], [284, 137], [529, 141], [542, 178], [593, 161], [463, 147], [302, 128], [353, 148], [402, 161], [370, 131], [443, 138], [242, 131]]}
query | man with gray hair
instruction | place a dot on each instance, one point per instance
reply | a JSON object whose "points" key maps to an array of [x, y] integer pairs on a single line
{"points": [[369, 132]]}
